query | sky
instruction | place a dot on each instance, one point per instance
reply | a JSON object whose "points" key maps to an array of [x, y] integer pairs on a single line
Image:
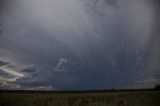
{"points": [[79, 44]]}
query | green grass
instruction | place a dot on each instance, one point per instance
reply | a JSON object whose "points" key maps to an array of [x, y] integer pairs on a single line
{"points": [[140, 98]]}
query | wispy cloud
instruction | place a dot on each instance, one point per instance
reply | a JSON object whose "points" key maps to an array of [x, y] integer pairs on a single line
{"points": [[10, 74], [78, 42], [41, 88], [61, 65], [148, 82], [12, 71]]}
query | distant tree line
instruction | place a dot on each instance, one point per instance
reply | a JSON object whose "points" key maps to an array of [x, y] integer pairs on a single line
{"points": [[157, 87]]}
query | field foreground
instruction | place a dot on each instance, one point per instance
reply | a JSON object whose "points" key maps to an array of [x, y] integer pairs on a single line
{"points": [[139, 98]]}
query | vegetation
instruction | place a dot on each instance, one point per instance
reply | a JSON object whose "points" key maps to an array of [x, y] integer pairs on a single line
{"points": [[136, 98], [157, 87]]}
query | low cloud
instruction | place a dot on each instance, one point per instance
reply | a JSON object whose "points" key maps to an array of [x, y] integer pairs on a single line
{"points": [[149, 82], [41, 88], [2, 63], [61, 65], [10, 74], [9, 86]]}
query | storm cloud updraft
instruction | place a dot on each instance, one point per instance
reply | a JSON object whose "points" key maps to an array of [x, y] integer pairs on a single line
{"points": [[79, 44]]}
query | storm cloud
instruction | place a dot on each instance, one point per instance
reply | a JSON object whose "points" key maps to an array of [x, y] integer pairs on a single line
{"points": [[81, 44]]}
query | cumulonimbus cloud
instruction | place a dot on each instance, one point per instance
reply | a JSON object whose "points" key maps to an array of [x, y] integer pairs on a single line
{"points": [[101, 44]]}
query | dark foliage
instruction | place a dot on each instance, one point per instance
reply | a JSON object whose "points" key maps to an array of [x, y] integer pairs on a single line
{"points": [[157, 87]]}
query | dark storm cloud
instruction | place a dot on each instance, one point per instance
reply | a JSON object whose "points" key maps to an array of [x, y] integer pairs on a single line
{"points": [[107, 2], [78, 44], [3, 63]]}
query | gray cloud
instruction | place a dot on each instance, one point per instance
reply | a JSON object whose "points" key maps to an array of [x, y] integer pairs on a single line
{"points": [[148, 82], [42, 88], [103, 43], [3, 63], [61, 65]]}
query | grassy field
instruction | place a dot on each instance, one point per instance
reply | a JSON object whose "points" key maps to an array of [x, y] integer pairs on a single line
{"points": [[139, 98]]}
